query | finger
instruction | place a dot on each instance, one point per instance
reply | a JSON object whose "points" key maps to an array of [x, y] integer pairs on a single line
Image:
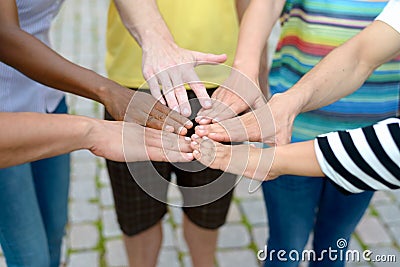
{"points": [[205, 58], [219, 112], [215, 132], [180, 94], [168, 91], [154, 123], [159, 120], [158, 154], [155, 89], [174, 118], [166, 140], [198, 88]]}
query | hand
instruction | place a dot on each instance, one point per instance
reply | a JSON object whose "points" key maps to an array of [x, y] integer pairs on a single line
{"points": [[255, 126], [237, 94], [272, 124], [142, 108], [246, 160], [170, 66], [284, 109], [123, 141]]}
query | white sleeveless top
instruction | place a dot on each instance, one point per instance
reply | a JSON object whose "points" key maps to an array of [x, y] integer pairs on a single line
{"points": [[17, 92]]}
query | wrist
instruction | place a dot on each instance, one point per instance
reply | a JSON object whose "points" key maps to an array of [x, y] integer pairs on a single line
{"points": [[154, 39], [293, 101], [89, 130], [278, 162], [249, 69]]}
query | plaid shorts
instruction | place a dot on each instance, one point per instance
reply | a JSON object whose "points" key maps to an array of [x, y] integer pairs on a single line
{"points": [[137, 210]]}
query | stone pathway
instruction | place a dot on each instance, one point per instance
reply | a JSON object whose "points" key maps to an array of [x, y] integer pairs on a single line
{"points": [[93, 236]]}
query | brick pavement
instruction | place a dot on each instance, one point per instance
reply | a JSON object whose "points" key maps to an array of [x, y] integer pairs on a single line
{"points": [[93, 236]]}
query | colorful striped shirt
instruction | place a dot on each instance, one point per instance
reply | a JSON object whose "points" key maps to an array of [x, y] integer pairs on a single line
{"points": [[366, 158], [313, 28]]}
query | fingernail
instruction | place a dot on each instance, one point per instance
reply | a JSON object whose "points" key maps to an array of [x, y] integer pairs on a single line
{"points": [[203, 121], [194, 143], [189, 155], [201, 127], [196, 152], [186, 112], [169, 128], [195, 136], [188, 123], [205, 138], [187, 138], [208, 103], [181, 129]]}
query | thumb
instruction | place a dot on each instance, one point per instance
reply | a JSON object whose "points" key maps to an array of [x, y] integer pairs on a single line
{"points": [[204, 58]]}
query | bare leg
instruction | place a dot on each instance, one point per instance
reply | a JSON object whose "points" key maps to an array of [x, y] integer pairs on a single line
{"points": [[202, 243], [256, 126], [143, 248]]}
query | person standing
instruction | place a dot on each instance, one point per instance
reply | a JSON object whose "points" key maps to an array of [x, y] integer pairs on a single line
{"points": [[167, 33]]}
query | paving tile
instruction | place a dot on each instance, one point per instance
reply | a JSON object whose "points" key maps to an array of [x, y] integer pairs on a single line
{"points": [[84, 259], [237, 257], [372, 232], [254, 211], [233, 236], [106, 196], [187, 261], [234, 214], [395, 231], [84, 168], [83, 189], [168, 236], [260, 236], [110, 224], [245, 189], [389, 213], [176, 214], [168, 257], [104, 177], [381, 198], [180, 241], [83, 211], [83, 236], [115, 253]]}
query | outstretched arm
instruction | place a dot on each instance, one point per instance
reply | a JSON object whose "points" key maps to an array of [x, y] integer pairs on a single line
{"points": [[346, 68], [33, 58], [163, 59], [355, 160], [27, 137], [341, 72], [241, 90]]}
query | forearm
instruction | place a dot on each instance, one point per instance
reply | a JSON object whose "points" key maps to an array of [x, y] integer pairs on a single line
{"points": [[37, 61], [144, 22], [28, 137], [296, 159], [346, 68], [255, 28]]}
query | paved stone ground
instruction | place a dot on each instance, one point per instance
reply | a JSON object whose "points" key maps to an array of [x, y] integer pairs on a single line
{"points": [[93, 237]]}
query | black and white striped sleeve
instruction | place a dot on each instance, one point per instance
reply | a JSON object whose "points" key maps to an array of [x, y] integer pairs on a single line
{"points": [[362, 159]]}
